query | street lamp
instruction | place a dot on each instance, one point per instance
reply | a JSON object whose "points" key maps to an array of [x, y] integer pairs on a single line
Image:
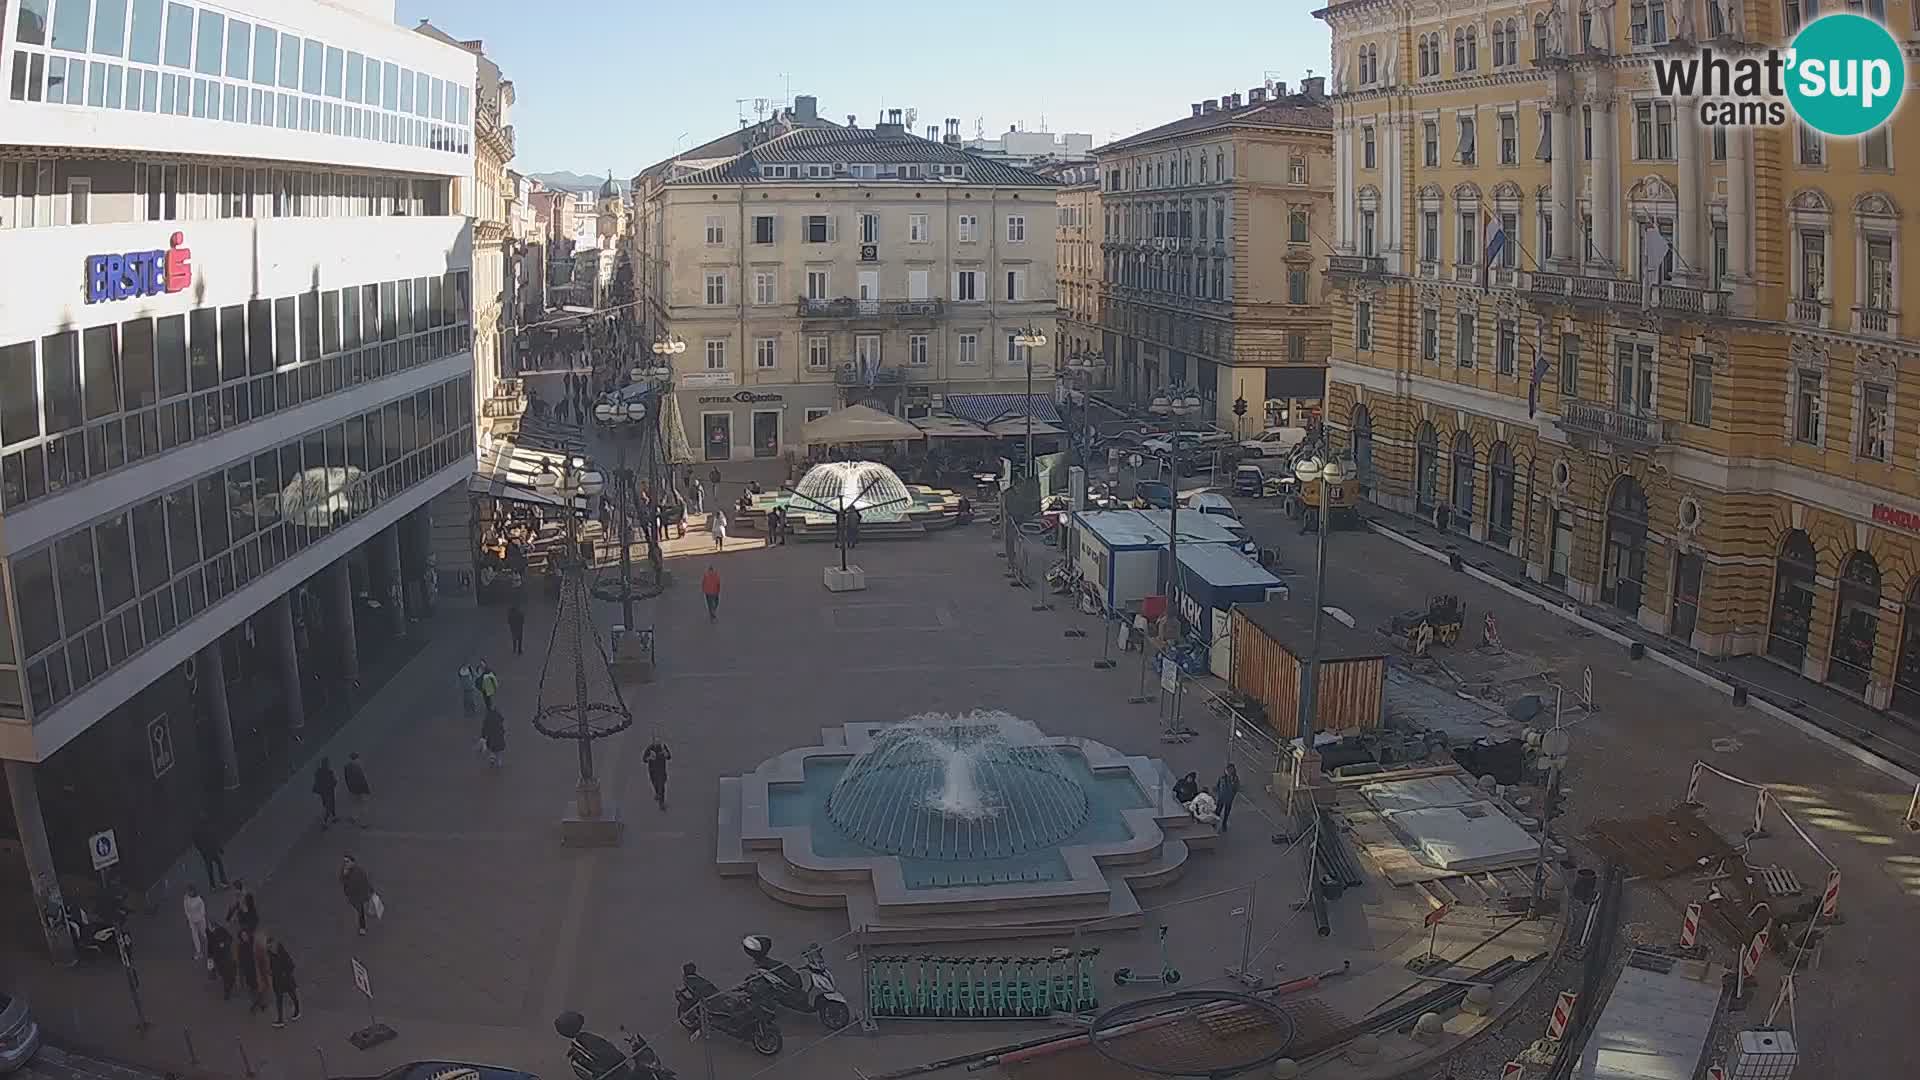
{"points": [[1033, 341], [1327, 474], [614, 415]]}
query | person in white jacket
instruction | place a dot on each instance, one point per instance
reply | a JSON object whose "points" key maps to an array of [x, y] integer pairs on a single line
{"points": [[195, 907]]}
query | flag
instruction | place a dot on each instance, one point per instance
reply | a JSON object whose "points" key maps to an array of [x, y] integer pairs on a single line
{"points": [[1654, 249], [1496, 243], [1539, 373]]}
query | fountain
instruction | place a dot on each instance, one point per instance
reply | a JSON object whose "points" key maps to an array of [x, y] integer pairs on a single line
{"points": [[939, 826], [888, 507]]}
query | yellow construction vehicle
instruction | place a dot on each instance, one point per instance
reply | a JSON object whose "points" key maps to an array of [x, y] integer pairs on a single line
{"points": [[1341, 512]]}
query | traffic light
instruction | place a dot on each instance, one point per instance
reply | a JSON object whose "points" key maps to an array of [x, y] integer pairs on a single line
{"points": [[1239, 406]]}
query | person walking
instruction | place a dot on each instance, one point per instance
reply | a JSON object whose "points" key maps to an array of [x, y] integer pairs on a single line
{"points": [[773, 526], [493, 736], [710, 587], [245, 910], [853, 528], [262, 972], [488, 684], [324, 783], [517, 626], [354, 775], [280, 975], [220, 959], [195, 907], [249, 967], [656, 757], [469, 693], [696, 496], [717, 524], [1225, 790], [358, 888], [206, 840]]}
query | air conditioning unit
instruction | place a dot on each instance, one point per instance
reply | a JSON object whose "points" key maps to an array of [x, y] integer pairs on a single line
{"points": [[839, 167]]}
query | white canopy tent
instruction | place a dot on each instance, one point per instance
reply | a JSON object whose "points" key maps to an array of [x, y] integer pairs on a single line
{"points": [[858, 424]]}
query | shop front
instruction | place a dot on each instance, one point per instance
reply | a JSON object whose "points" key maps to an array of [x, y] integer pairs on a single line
{"points": [[757, 423]]}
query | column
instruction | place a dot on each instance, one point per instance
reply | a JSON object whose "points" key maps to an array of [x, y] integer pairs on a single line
{"points": [[1606, 181], [1686, 220], [280, 618], [1342, 207], [339, 590], [210, 678], [1740, 204], [392, 592], [24, 791], [1391, 226], [1566, 247]]}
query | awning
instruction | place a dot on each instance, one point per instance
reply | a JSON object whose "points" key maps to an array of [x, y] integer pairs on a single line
{"points": [[858, 424], [1015, 427], [948, 427], [986, 408], [507, 472], [544, 434]]}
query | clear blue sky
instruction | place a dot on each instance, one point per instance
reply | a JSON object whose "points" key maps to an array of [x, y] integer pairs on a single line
{"points": [[615, 85]]}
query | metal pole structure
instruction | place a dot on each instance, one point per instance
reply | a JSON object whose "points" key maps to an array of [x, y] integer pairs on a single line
{"points": [[1553, 746], [589, 794], [628, 499], [1309, 701], [1031, 471]]}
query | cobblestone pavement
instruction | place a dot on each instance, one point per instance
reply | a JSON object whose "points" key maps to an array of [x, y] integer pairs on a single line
{"points": [[1632, 758]]}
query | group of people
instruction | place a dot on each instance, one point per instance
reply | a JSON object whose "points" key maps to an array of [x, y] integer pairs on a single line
{"points": [[479, 689], [325, 785], [1212, 807], [237, 951]]}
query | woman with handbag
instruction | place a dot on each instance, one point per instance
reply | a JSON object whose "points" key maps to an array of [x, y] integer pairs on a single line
{"points": [[358, 888], [280, 973]]}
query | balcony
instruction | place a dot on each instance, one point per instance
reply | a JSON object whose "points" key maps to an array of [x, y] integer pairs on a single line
{"points": [[1466, 273], [850, 374], [1686, 300], [1429, 270], [1807, 312], [1876, 320], [1665, 298], [847, 308], [1622, 429], [1357, 265]]}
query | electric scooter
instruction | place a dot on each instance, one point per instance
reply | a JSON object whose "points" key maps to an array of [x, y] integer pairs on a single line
{"points": [[1167, 975]]}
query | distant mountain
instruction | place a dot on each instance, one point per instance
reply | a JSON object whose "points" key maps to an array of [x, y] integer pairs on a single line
{"points": [[572, 181]]}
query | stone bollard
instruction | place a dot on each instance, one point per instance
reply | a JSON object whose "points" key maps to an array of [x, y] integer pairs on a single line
{"points": [[1428, 1029], [1286, 1069], [1364, 1050], [1479, 1001]]}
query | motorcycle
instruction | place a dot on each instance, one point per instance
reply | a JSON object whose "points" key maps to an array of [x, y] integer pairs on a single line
{"points": [[809, 989], [594, 1057], [94, 937], [741, 1014]]}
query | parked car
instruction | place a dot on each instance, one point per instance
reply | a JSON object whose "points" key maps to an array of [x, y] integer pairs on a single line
{"points": [[19, 1034], [449, 1070], [1211, 502], [1156, 495], [1275, 442]]}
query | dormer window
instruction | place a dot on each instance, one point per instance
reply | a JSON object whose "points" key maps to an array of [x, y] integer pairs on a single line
{"points": [[863, 172], [819, 172], [780, 172]]}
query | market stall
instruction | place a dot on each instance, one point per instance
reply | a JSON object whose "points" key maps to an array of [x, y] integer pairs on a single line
{"points": [[1271, 642]]}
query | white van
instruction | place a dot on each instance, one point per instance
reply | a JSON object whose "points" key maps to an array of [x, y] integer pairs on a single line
{"points": [[1275, 442]]}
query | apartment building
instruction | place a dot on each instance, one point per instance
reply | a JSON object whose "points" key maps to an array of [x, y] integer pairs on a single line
{"points": [[1078, 239], [1215, 225], [829, 266], [235, 345], [1674, 390]]}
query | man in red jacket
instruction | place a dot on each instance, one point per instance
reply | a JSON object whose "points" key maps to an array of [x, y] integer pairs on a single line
{"points": [[710, 585]]}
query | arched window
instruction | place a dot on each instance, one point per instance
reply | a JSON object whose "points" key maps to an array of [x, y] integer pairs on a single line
{"points": [[1361, 426], [1513, 41], [1500, 494], [1906, 673], [1463, 475], [1426, 466], [1499, 43], [1473, 49], [1856, 624], [1795, 574], [1540, 36], [1624, 567], [1459, 49]]}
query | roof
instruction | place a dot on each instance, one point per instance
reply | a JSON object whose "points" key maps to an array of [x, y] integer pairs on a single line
{"points": [[734, 142], [861, 146], [1291, 112], [1289, 624], [858, 424], [1148, 528], [1223, 567], [986, 408]]}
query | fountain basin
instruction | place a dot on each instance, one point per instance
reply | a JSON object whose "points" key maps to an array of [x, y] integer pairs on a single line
{"points": [[888, 508]]}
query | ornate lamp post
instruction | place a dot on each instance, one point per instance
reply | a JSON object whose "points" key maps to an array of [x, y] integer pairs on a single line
{"points": [[594, 709], [619, 417], [1033, 341], [1327, 474]]}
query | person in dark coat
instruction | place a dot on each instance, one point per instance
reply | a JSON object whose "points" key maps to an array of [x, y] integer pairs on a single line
{"points": [[220, 958], [354, 775], [1185, 788], [358, 888], [1225, 790], [493, 734], [324, 783], [248, 966], [517, 626], [206, 840], [245, 910], [656, 757], [280, 974]]}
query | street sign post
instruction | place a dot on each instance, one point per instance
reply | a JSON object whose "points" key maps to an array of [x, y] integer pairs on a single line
{"points": [[104, 849], [375, 1032]]}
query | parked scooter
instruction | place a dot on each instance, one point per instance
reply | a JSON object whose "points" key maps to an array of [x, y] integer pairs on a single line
{"points": [[741, 1014], [594, 1057], [809, 989], [94, 937]]}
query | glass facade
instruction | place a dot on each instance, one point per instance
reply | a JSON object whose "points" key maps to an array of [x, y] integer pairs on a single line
{"points": [[110, 396], [101, 594], [192, 60]]}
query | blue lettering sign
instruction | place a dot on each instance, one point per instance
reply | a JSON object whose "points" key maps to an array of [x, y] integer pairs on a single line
{"points": [[122, 277]]}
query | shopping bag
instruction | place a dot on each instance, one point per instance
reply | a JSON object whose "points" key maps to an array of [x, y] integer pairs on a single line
{"points": [[377, 907]]}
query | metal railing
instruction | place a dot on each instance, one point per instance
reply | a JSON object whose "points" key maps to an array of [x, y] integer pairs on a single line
{"points": [[845, 308], [1802, 310], [1370, 265], [1873, 320], [1614, 425], [851, 374]]}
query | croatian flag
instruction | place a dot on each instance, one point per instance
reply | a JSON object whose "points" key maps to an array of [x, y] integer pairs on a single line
{"points": [[1496, 243]]}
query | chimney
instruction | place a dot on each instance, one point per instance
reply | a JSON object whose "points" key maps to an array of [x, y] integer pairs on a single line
{"points": [[852, 121], [1315, 88], [806, 107], [1196, 108], [1236, 100], [1256, 95], [1206, 106], [933, 132], [953, 131], [892, 125], [1279, 90]]}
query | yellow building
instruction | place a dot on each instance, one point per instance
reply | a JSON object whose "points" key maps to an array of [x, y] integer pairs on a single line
{"points": [[1078, 254], [1215, 225], [1724, 445]]}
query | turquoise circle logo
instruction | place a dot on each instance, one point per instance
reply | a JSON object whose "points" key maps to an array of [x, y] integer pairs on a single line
{"points": [[1846, 75]]}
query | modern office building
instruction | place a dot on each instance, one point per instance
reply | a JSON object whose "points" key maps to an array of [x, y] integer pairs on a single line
{"points": [[1678, 394], [235, 366], [829, 266], [1215, 226]]}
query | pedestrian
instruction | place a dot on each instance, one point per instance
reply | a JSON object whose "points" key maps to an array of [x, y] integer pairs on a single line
{"points": [[469, 693], [206, 840], [656, 757], [713, 479], [245, 910], [195, 907], [262, 972], [220, 959], [249, 968], [517, 626], [323, 785], [280, 975], [487, 683], [493, 736], [354, 775], [717, 524], [853, 528], [696, 496], [773, 526], [1225, 790], [710, 586], [358, 888]]}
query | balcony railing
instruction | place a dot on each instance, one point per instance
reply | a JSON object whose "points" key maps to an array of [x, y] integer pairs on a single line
{"points": [[846, 308], [1429, 270], [1665, 297], [1363, 265], [1613, 425], [1810, 312], [1874, 320], [1686, 300], [1466, 273], [851, 374]]}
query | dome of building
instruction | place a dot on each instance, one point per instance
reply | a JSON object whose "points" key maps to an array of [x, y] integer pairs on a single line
{"points": [[609, 190]]}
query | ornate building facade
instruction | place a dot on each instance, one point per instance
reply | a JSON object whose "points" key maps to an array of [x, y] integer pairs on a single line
{"points": [[1676, 386], [1078, 240]]}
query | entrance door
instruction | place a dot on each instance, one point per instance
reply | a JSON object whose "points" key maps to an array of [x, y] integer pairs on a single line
{"points": [[766, 433], [718, 439], [1906, 672], [1686, 596], [1623, 570], [1560, 556], [869, 285]]}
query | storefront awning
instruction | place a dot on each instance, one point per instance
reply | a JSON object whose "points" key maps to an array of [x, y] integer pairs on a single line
{"points": [[949, 427], [858, 424], [508, 472], [986, 408], [1015, 427]]}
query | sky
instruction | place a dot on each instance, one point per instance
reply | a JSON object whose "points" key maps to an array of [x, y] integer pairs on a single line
{"points": [[619, 86]]}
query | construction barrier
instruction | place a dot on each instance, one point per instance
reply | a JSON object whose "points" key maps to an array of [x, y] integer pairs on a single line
{"points": [[924, 987], [1512, 1070], [1690, 927], [1562, 1012], [1491, 633], [1750, 960], [1586, 688], [1716, 1072], [1830, 899], [1783, 1000]]}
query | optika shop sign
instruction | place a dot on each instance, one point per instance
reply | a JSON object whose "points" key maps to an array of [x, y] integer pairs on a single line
{"points": [[140, 273], [1843, 75]]}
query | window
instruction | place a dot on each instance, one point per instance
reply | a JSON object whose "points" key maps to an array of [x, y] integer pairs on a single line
{"points": [[966, 285], [1540, 36], [716, 230], [1813, 264], [1719, 251], [966, 226], [1467, 140], [1499, 35], [1296, 347], [1016, 285], [1296, 171], [1017, 354], [1505, 346], [1875, 420], [1546, 234], [1366, 147], [766, 353], [1296, 226], [1430, 143], [1296, 286], [1653, 131], [716, 355], [817, 285], [967, 349], [1466, 252], [1879, 283], [869, 228], [819, 354], [917, 350], [79, 200], [1016, 229], [716, 288], [1363, 326], [1430, 236], [821, 229], [1874, 150], [1633, 378], [1813, 148], [1700, 393], [763, 286], [1430, 335], [917, 231], [1808, 397], [763, 228], [1509, 224], [1463, 339], [1570, 365], [1509, 139]]}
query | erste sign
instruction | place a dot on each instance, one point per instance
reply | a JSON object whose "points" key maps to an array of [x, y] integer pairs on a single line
{"points": [[140, 273]]}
